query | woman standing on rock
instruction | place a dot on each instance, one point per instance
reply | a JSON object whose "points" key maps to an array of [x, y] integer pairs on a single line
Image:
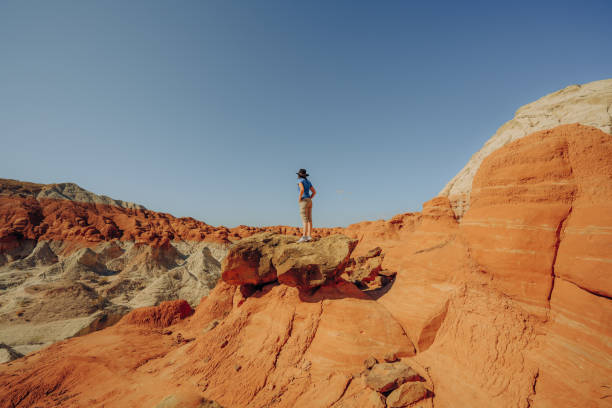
{"points": [[305, 201]]}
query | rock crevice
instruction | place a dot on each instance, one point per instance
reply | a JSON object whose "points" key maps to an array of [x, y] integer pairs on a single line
{"points": [[558, 237]]}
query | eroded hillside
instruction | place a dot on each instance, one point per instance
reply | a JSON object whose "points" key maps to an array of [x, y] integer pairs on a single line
{"points": [[509, 307], [72, 262]]}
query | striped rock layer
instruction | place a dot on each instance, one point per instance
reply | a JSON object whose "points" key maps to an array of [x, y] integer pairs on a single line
{"points": [[509, 307], [589, 104]]}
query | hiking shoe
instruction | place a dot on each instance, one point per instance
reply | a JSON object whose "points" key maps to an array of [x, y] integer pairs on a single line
{"points": [[308, 238], [303, 239]]}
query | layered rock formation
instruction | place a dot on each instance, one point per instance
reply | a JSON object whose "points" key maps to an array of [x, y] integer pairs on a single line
{"points": [[506, 306], [72, 261], [278, 347], [516, 295], [589, 104]]}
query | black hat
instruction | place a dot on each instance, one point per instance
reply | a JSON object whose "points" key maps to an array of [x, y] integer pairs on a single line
{"points": [[302, 173]]}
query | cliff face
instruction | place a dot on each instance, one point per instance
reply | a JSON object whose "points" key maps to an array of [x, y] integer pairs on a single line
{"points": [[516, 296], [589, 104], [508, 307]]}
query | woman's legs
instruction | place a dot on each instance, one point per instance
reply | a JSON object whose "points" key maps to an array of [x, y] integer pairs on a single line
{"points": [[306, 214], [309, 224]]}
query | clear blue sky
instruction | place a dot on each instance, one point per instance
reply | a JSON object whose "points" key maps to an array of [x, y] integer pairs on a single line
{"points": [[208, 108]]}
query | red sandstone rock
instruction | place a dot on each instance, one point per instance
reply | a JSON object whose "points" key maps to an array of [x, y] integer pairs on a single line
{"points": [[358, 395], [385, 377], [473, 301], [406, 394], [509, 308], [164, 315], [250, 261], [267, 257], [298, 351]]}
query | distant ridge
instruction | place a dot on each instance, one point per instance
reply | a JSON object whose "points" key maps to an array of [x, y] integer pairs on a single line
{"points": [[61, 191]]}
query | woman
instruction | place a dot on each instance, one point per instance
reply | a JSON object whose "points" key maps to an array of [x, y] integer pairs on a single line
{"points": [[305, 201]]}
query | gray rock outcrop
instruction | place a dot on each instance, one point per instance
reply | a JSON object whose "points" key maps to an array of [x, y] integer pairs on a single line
{"points": [[73, 192], [8, 354], [49, 291]]}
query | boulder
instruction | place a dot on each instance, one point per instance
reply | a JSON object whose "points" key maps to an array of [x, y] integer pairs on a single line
{"points": [[249, 261], [266, 257], [406, 394], [385, 377], [364, 267], [366, 271], [311, 264]]}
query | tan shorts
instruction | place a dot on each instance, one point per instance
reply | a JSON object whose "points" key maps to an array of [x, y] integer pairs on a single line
{"points": [[306, 209]]}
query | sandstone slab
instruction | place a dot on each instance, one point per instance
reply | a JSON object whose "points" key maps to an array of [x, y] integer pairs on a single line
{"points": [[406, 394], [385, 377]]}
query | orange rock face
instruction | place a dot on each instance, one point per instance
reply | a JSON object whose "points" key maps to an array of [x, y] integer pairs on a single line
{"points": [[517, 295], [274, 347], [534, 203], [508, 308], [164, 315]]}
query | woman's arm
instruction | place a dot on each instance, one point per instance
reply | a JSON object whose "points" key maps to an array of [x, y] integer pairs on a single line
{"points": [[313, 192], [301, 191]]}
